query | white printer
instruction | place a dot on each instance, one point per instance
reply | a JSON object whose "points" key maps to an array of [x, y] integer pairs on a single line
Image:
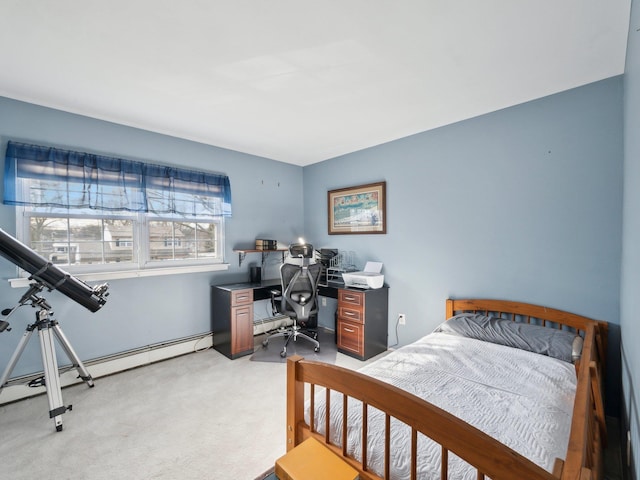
{"points": [[370, 277]]}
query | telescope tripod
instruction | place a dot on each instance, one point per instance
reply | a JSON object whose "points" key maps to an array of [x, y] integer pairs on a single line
{"points": [[47, 328]]}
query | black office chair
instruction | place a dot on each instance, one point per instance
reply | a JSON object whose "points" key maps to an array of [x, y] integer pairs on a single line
{"points": [[299, 297]]}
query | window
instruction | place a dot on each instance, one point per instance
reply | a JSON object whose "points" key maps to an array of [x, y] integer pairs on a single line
{"points": [[81, 240], [89, 213], [182, 240]]}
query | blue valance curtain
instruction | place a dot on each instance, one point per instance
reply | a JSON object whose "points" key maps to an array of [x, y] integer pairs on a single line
{"points": [[73, 180]]}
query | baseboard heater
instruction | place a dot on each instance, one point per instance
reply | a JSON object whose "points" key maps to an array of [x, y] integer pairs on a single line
{"points": [[108, 365]]}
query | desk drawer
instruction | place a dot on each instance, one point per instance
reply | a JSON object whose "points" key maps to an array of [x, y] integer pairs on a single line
{"points": [[350, 337], [351, 298], [241, 297], [350, 314]]}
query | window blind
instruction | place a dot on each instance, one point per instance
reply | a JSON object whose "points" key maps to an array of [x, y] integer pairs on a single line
{"points": [[41, 176]]}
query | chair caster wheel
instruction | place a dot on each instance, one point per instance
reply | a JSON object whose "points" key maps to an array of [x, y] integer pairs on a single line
{"points": [[265, 343], [283, 353], [317, 349]]}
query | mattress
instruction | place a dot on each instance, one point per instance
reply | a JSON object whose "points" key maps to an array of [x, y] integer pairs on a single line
{"points": [[522, 399]]}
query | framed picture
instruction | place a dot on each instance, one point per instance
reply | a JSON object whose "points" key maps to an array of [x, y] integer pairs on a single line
{"points": [[360, 209]]}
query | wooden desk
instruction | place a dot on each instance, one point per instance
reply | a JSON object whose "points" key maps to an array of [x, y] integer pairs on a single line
{"points": [[232, 318]]}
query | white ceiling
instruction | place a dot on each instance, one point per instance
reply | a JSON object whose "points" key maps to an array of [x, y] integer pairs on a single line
{"points": [[302, 81]]}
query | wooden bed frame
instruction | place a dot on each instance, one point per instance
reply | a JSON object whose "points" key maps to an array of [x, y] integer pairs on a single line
{"points": [[489, 457]]}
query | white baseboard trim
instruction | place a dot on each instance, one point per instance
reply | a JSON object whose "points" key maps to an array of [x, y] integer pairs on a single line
{"points": [[100, 367]]}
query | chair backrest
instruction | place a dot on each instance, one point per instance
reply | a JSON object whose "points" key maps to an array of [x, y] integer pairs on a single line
{"points": [[299, 290]]}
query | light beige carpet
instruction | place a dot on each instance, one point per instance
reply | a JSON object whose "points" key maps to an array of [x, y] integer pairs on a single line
{"points": [[199, 416]]}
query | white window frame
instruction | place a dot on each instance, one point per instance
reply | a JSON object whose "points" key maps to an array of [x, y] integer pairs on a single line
{"points": [[148, 263], [143, 266]]}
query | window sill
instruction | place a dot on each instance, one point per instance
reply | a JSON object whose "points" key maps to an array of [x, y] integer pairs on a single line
{"points": [[151, 272]]}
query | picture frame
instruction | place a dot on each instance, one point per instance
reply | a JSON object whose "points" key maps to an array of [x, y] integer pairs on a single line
{"points": [[358, 210]]}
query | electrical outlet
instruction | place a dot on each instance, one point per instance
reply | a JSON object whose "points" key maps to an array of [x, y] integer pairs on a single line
{"points": [[324, 301], [402, 319]]}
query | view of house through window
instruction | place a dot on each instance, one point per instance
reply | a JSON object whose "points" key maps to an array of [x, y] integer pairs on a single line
{"points": [[76, 241], [181, 240], [73, 241]]}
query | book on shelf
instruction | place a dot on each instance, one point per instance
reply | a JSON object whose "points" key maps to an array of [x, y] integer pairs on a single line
{"points": [[264, 244]]}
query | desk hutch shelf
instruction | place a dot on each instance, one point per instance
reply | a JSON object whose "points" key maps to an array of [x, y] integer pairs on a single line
{"points": [[242, 253]]}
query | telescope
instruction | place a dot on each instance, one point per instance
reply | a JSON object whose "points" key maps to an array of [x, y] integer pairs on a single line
{"points": [[46, 275], [53, 277]]}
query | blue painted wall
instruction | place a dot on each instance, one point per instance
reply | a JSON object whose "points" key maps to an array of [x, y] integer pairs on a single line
{"points": [[522, 204], [630, 288], [144, 311]]}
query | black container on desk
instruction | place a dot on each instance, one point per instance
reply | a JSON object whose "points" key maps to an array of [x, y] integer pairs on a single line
{"points": [[255, 274]]}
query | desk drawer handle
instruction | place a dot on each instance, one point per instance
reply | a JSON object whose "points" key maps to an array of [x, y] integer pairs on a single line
{"points": [[349, 330], [349, 314], [350, 299], [242, 297]]}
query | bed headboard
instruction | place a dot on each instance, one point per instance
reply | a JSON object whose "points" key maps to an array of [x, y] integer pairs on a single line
{"points": [[526, 312]]}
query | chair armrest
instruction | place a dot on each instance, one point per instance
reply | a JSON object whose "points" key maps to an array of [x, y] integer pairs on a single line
{"points": [[275, 294]]}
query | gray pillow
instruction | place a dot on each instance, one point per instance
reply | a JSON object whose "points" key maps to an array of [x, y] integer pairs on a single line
{"points": [[553, 342]]}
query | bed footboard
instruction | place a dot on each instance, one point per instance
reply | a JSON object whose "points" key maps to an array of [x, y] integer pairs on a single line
{"points": [[486, 455], [490, 457]]}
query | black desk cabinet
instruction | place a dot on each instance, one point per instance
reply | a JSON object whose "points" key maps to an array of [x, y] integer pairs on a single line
{"points": [[361, 326], [362, 323], [232, 320]]}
